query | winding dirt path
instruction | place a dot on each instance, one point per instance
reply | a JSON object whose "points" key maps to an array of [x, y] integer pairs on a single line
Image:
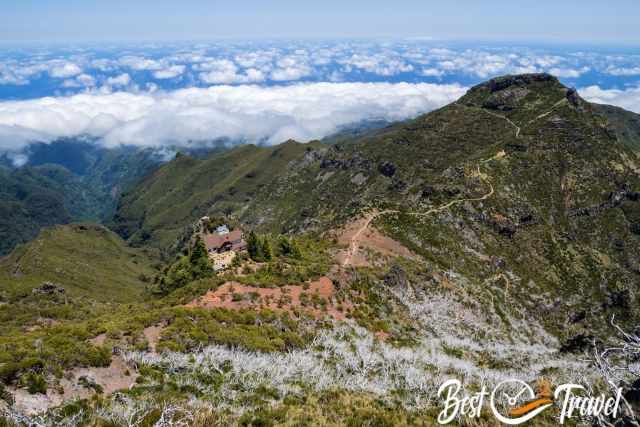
{"points": [[553, 107], [508, 120], [357, 237], [354, 243], [515, 126], [540, 116]]}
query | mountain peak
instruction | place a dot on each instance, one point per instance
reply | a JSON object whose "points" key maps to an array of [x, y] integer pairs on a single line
{"points": [[517, 92], [520, 80]]}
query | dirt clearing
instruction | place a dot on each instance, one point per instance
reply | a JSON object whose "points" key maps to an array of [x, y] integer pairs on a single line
{"points": [[359, 237], [317, 298]]}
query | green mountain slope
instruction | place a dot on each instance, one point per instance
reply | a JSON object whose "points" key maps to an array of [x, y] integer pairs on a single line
{"points": [[511, 223], [520, 183], [625, 124], [86, 260], [28, 201], [65, 181], [538, 195], [163, 205]]}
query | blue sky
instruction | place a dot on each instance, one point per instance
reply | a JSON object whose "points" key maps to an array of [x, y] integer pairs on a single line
{"points": [[591, 21]]}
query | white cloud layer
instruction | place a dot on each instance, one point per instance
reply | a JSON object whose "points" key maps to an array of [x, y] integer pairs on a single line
{"points": [[121, 80], [169, 72], [65, 70], [628, 99], [172, 66], [240, 113]]}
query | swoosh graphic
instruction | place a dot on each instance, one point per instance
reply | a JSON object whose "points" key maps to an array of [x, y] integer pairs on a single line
{"points": [[520, 420], [524, 409]]}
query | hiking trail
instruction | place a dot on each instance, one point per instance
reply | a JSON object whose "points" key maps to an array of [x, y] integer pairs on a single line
{"points": [[356, 238]]}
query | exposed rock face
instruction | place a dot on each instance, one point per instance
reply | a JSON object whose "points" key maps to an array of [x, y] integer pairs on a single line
{"points": [[310, 156], [356, 161], [574, 99], [510, 93], [48, 288], [501, 83], [614, 200], [359, 179], [396, 278], [331, 164], [505, 100], [387, 169], [440, 190]]}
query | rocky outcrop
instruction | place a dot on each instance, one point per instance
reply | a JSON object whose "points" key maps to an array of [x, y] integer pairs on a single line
{"points": [[440, 190], [396, 278], [573, 97], [501, 83], [355, 162], [516, 93], [505, 100], [615, 199], [387, 169], [48, 288]]}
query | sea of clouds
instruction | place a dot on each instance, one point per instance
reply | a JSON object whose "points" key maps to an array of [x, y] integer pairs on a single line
{"points": [[172, 94], [269, 115]]}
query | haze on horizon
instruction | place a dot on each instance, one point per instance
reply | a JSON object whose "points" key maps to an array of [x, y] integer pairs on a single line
{"points": [[572, 21]]}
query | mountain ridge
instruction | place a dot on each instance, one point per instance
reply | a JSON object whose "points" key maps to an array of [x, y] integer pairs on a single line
{"points": [[495, 236], [561, 219]]}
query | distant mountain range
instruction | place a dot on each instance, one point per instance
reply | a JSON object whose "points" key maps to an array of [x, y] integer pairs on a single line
{"points": [[77, 179]]}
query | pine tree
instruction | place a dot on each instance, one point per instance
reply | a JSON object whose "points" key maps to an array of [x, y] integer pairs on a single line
{"points": [[284, 246], [199, 260], [253, 247], [198, 251], [267, 254]]}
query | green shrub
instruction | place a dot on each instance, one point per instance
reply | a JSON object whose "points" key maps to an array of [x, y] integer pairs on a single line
{"points": [[9, 372], [98, 356], [35, 383], [6, 395], [193, 266]]}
